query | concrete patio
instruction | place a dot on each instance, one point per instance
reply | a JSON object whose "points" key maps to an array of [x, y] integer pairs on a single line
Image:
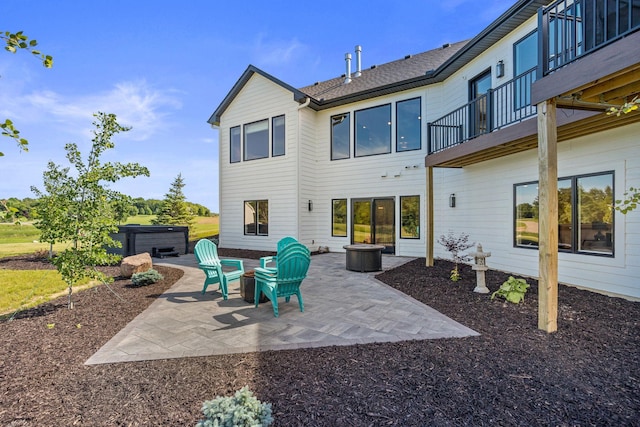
{"points": [[341, 308]]}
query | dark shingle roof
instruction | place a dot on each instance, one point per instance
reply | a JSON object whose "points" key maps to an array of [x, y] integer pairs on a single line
{"points": [[410, 67], [415, 71]]}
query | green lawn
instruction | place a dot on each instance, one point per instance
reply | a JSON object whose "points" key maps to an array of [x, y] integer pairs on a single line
{"points": [[23, 239], [27, 288], [21, 289]]}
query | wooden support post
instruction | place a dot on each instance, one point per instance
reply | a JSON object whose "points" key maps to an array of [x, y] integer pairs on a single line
{"points": [[429, 209], [548, 217]]}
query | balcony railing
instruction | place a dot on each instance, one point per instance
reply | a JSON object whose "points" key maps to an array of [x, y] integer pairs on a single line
{"points": [[500, 107], [569, 29]]}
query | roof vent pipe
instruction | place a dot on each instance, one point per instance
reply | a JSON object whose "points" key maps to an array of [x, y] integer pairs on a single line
{"points": [[358, 61], [347, 58]]}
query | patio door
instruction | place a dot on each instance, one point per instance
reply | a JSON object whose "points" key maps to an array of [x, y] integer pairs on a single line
{"points": [[373, 221], [478, 107]]}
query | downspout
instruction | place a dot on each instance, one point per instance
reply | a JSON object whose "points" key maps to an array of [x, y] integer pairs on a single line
{"points": [[300, 107]]}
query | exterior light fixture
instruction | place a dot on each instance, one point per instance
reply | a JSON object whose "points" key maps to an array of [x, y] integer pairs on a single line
{"points": [[500, 68], [310, 205], [452, 200]]}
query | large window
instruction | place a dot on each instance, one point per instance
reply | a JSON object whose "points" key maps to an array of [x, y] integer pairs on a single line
{"points": [[340, 136], [256, 217], [277, 137], [410, 217], [373, 131], [235, 144], [525, 57], [585, 214], [408, 125], [339, 217], [256, 140]]}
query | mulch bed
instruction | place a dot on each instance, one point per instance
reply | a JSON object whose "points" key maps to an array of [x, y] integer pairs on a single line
{"points": [[586, 374]]}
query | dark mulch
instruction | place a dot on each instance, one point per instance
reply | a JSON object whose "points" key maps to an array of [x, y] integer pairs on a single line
{"points": [[586, 374]]}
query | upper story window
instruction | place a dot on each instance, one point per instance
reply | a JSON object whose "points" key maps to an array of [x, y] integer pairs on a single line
{"points": [[585, 214], [235, 144], [408, 125], [373, 131], [256, 140], [255, 144], [340, 136], [277, 136], [525, 58]]}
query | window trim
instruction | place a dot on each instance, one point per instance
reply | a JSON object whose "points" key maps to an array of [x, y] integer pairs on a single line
{"points": [[231, 143], [575, 216], [244, 140], [355, 130], [346, 218], [419, 98], [401, 218], [346, 116], [255, 217], [273, 136]]}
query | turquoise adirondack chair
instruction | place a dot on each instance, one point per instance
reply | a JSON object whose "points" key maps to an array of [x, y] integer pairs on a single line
{"points": [[206, 253], [285, 279], [282, 243]]}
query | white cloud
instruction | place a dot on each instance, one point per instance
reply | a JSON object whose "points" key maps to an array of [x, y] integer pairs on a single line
{"points": [[136, 103], [276, 52]]}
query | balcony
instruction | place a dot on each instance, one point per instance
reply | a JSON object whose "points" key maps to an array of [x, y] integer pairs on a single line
{"points": [[500, 107], [571, 29], [588, 60]]}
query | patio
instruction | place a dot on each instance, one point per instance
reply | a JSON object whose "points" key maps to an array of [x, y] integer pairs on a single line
{"points": [[341, 308]]}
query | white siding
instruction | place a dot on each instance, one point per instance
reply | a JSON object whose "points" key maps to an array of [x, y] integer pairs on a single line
{"points": [[484, 209], [272, 178], [484, 191], [362, 177]]}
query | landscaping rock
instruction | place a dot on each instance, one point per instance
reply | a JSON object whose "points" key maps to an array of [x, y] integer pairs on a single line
{"points": [[136, 264]]}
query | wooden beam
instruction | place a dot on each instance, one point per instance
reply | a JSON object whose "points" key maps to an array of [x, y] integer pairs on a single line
{"points": [[611, 84], [548, 217], [429, 210]]}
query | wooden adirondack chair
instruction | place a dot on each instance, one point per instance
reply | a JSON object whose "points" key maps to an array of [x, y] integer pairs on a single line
{"points": [[281, 245], [206, 253], [285, 279]]}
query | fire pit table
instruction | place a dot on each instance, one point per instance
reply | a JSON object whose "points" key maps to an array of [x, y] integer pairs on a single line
{"points": [[364, 257]]}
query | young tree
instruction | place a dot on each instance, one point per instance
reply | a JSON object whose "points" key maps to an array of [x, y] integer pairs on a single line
{"points": [[13, 43], [632, 196], [80, 209], [175, 209]]}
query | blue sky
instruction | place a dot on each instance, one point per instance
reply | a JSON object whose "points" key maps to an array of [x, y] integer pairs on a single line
{"points": [[164, 66]]}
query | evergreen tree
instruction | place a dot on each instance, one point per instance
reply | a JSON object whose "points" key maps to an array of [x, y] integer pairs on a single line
{"points": [[175, 208]]}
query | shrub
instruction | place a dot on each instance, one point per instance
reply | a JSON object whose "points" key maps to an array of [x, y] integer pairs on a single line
{"points": [[455, 245], [146, 277], [512, 290], [241, 410]]}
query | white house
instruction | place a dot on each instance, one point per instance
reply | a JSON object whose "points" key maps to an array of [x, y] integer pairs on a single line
{"points": [[502, 137]]}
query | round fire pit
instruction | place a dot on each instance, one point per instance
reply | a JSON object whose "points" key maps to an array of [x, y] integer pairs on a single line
{"points": [[364, 257]]}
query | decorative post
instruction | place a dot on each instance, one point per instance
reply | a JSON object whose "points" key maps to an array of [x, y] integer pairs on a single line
{"points": [[480, 266]]}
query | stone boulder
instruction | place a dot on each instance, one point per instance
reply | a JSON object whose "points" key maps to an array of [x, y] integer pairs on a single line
{"points": [[136, 264]]}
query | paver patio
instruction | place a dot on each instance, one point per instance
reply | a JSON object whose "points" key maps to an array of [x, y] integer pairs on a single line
{"points": [[341, 308]]}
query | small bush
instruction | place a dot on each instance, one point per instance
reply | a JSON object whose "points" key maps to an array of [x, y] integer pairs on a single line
{"points": [[146, 277], [512, 290], [241, 410], [456, 245]]}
